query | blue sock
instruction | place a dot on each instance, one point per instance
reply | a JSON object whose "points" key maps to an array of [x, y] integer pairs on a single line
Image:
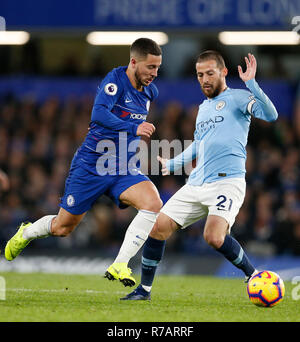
{"points": [[234, 253], [152, 254]]}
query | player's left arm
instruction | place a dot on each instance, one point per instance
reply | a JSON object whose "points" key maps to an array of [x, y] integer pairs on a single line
{"points": [[260, 105], [171, 165]]}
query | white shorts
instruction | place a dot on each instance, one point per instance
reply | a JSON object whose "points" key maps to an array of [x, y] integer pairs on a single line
{"points": [[191, 203]]}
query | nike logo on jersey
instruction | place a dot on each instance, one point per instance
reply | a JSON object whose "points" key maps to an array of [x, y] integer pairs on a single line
{"points": [[128, 100]]}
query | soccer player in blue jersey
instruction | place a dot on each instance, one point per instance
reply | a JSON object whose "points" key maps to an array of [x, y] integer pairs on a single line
{"points": [[216, 187], [117, 123]]}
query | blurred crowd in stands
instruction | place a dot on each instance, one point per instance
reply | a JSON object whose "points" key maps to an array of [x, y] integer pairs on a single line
{"points": [[37, 143]]}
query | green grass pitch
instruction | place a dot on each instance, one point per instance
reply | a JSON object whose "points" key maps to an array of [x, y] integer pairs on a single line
{"points": [[91, 298]]}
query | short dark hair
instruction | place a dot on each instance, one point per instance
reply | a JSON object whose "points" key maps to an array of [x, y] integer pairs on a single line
{"points": [[211, 54], [144, 46]]}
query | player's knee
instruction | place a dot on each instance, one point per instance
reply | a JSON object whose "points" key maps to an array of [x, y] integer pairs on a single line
{"points": [[157, 205], [214, 240], [163, 228], [153, 205], [159, 234]]}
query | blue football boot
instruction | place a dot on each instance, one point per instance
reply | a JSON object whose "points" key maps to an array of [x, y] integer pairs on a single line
{"points": [[138, 294]]}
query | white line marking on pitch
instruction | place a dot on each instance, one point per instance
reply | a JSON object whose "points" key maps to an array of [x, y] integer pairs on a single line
{"points": [[60, 290]]}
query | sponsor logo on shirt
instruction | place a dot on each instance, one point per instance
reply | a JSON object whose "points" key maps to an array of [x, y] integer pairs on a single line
{"points": [[138, 116], [204, 125], [134, 115], [215, 120]]}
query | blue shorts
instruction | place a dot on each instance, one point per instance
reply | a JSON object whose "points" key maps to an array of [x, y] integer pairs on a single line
{"points": [[83, 188]]}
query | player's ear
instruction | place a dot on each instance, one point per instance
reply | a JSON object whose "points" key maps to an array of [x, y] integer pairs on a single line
{"points": [[133, 62], [224, 72]]}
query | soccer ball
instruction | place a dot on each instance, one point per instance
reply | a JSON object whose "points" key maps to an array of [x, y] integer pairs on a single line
{"points": [[266, 288]]}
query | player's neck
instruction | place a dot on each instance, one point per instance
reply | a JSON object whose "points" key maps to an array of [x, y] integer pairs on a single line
{"points": [[223, 88], [133, 80]]}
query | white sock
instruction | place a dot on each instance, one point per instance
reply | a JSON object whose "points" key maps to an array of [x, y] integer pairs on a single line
{"points": [[136, 235], [39, 229], [147, 288]]}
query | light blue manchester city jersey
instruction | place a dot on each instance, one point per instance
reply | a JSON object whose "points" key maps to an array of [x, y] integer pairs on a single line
{"points": [[221, 134]]}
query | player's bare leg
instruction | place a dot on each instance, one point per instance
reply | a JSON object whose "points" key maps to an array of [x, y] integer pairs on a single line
{"points": [[142, 196], [164, 227], [64, 223], [215, 230], [216, 235], [61, 225], [145, 198]]}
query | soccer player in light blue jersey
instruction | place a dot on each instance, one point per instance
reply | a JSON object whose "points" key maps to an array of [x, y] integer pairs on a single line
{"points": [[216, 186], [118, 121]]}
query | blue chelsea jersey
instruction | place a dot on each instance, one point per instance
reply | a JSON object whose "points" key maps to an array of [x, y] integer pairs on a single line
{"points": [[118, 110]]}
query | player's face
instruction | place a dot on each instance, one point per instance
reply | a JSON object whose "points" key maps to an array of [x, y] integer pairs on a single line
{"points": [[211, 78], [146, 70]]}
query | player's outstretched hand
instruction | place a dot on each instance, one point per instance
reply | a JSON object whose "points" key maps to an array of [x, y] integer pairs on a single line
{"points": [[251, 66], [145, 129], [163, 162]]}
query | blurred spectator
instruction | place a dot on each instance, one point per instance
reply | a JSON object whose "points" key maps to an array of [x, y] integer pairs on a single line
{"points": [[70, 66], [4, 181], [296, 116]]}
